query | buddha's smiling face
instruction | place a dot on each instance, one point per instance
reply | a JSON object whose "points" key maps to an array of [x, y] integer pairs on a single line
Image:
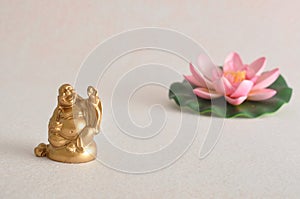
{"points": [[67, 95]]}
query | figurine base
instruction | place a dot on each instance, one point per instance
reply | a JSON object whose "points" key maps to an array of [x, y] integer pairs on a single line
{"points": [[63, 155]]}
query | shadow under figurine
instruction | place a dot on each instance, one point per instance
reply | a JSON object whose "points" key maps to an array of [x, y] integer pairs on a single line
{"points": [[72, 127]]}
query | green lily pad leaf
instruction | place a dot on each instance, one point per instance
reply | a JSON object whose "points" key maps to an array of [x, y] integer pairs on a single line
{"points": [[182, 94]]}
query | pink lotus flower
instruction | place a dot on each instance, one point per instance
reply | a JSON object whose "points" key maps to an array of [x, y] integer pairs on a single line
{"points": [[237, 82]]}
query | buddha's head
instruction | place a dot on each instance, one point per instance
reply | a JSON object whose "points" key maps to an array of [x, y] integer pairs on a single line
{"points": [[67, 95]]}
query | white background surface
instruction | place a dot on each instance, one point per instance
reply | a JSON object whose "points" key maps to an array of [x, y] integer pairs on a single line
{"points": [[43, 45]]}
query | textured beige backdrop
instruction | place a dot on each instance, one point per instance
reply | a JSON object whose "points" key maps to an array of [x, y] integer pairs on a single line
{"points": [[42, 44]]}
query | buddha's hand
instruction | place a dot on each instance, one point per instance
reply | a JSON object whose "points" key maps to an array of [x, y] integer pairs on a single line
{"points": [[55, 127], [91, 91]]}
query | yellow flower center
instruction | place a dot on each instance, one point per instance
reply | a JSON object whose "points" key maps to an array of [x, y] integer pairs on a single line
{"points": [[236, 76]]}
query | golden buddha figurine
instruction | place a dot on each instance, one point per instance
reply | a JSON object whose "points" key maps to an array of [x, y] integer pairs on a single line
{"points": [[72, 127]]}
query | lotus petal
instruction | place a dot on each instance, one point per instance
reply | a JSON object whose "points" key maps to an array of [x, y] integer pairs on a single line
{"points": [[257, 66], [206, 66], [233, 62], [223, 86], [262, 94], [205, 93], [243, 89], [192, 80], [235, 101], [266, 79]]}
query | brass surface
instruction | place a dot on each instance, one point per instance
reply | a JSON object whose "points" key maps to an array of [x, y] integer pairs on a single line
{"points": [[72, 127]]}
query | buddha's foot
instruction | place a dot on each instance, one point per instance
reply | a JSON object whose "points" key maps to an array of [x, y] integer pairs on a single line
{"points": [[80, 149], [41, 150], [71, 154], [71, 147]]}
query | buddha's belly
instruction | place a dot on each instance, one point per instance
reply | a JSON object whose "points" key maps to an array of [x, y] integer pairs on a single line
{"points": [[71, 128]]}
